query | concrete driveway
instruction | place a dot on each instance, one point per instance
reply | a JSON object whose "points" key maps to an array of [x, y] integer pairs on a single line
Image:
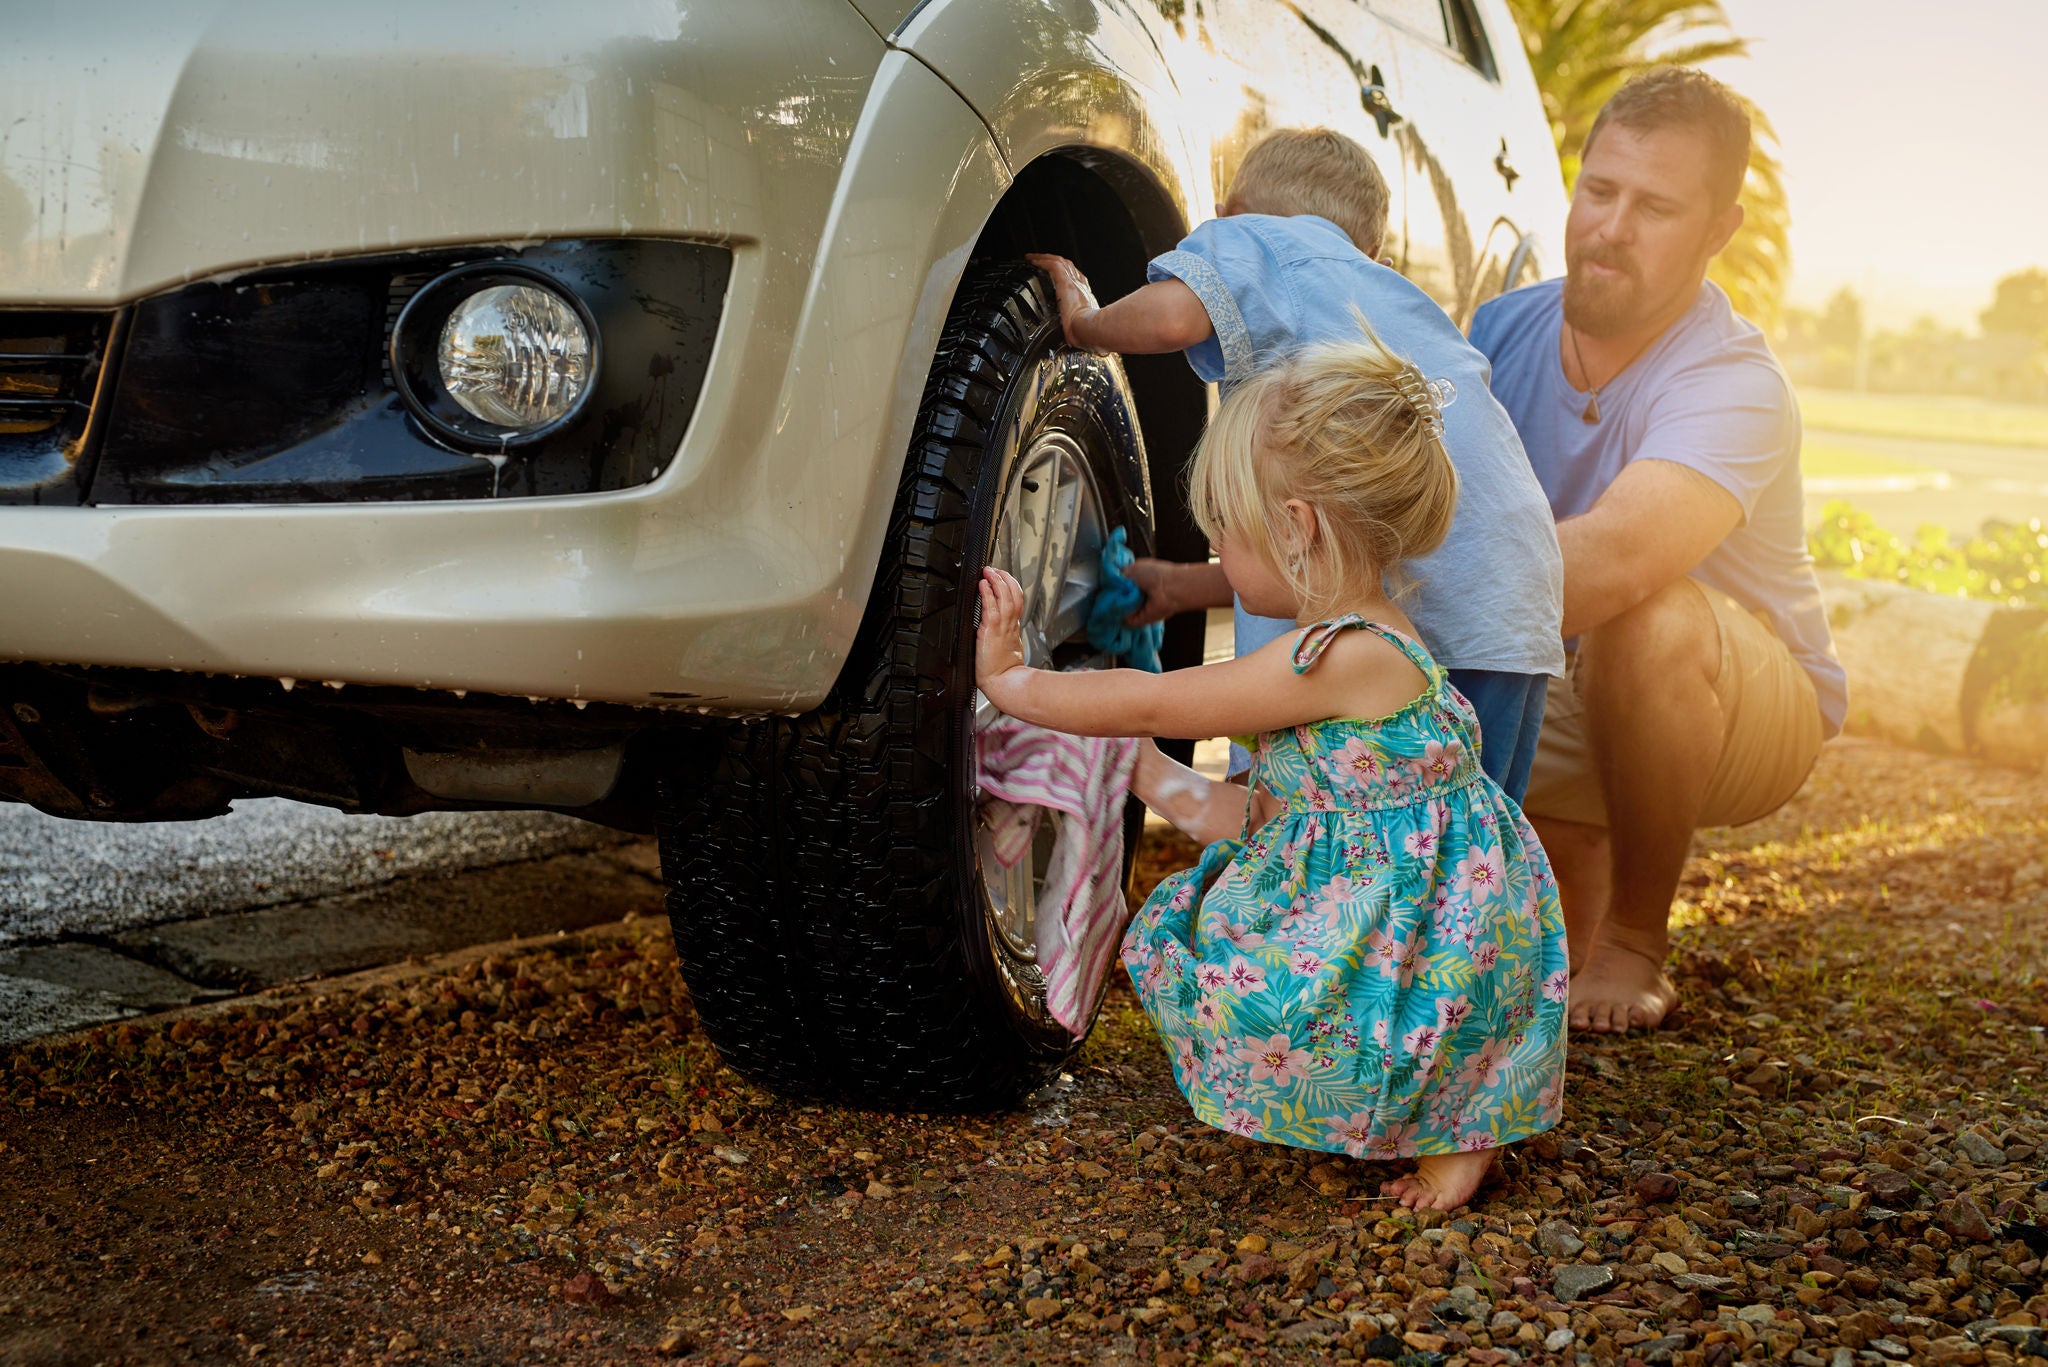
{"points": [[98, 921]]}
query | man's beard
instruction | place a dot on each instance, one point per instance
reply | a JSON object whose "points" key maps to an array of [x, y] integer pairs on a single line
{"points": [[1603, 308]]}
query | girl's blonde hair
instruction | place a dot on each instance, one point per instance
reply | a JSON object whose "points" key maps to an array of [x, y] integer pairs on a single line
{"points": [[1350, 429]]}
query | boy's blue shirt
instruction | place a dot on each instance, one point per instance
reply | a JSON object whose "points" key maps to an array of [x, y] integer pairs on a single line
{"points": [[1492, 596]]}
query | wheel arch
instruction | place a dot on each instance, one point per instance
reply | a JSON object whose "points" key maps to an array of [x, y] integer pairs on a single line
{"points": [[1110, 215]]}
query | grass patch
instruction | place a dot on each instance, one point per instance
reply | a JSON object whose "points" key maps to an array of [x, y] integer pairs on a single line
{"points": [[1926, 417]]}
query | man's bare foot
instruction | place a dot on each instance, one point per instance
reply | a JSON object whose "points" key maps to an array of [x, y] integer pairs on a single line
{"points": [[1620, 989], [1441, 1181]]}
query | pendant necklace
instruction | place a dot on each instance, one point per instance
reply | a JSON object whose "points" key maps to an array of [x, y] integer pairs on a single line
{"points": [[1591, 413]]}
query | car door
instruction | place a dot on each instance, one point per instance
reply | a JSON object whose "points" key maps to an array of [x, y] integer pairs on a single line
{"points": [[1303, 63], [1459, 142]]}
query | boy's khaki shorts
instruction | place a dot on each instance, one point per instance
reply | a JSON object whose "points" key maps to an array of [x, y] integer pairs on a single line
{"points": [[1770, 739]]}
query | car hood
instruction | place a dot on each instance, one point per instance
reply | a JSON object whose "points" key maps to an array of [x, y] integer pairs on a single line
{"points": [[146, 144]]}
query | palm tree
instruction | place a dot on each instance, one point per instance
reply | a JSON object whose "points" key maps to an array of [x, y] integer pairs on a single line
{"points": [[1582, 51]]}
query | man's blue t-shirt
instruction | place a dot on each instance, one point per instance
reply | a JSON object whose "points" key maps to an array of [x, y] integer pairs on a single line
{"points": [[1492, 596], [1707, 395]]}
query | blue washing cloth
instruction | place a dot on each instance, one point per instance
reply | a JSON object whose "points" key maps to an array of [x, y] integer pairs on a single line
{"points": [[1116, 598]]}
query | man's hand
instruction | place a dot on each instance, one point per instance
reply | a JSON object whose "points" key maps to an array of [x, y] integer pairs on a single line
{"points": [[1070, 287], [1171, 588], [999, 645]]}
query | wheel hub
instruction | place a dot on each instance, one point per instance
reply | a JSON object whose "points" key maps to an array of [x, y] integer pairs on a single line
{"points": [[1049, 534]]}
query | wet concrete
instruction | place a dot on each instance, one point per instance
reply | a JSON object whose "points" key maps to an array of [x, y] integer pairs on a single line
{"points": [[101, 922]]}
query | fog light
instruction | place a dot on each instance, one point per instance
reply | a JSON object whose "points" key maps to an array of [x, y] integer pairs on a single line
{"points": [[516, 356], [495, 355]]}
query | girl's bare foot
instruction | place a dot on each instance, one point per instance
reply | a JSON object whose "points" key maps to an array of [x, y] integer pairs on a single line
{"points": [[1441, 1181]]}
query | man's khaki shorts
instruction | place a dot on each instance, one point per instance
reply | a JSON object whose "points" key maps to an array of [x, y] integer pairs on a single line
{"points": [[1771, 733]]}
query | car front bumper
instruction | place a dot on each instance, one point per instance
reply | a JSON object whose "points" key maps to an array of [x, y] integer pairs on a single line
{"points": [[731, 583]]}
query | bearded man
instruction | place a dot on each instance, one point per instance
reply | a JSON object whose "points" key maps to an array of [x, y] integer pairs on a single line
{"points": [[1702, 678]]}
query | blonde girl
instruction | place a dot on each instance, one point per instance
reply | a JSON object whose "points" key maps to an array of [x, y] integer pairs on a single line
{"points": [[1369, 957]]}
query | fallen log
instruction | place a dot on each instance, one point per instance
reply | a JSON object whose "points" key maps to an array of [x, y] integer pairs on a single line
{"points": [[1952, 675]]}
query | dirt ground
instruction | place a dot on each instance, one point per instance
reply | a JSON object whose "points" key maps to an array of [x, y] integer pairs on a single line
{"points": [[1835, 1156]]}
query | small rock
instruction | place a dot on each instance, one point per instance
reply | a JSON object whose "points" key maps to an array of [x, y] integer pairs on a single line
{"points": [[675, 1343], [1426, 1343], [1702, 1281], [1671, 1262], [1329, 1179], [1979, 1150], [727, 1154], [1384, 1346], [755, 1360], [1504, 1324], [1658, 1351], [1557, 1340], [1255, 1268], [1889, 1187], [1252, 1243], [1843, 1357], [1756, 1314], [1891, 1348], [797, 1314], [1041, 1307], [1558, 1240], [1744, 1199], [1094, 1172], [1576, 1281], [587, 1288], [878, 1190], [1964, 1220], [1655, 1188]]}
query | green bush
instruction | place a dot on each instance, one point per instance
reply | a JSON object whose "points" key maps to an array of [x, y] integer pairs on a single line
{"points": [[2005, 562]]}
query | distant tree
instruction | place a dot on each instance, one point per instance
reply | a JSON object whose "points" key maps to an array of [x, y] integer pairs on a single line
{"points": [[1582, 51], [2019, 305], [1841, 324]]}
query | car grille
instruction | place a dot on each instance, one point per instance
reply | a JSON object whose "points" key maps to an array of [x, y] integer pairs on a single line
{"points": [[49, 379]]}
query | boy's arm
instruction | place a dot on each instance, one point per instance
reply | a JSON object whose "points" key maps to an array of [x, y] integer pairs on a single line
{"points": [[1160, 317]]}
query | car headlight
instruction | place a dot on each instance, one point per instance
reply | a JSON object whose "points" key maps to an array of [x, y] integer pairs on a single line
{"points": [[494, 355]]}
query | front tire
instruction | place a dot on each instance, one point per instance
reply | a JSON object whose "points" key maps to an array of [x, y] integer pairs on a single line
{"points": [[836, 927]]}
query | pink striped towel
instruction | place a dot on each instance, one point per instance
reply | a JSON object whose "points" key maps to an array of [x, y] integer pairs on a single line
{"points": [[1023, 771]]}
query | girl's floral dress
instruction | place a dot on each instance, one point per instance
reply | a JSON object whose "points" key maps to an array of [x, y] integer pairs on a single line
{"points": [[1380, 970]]}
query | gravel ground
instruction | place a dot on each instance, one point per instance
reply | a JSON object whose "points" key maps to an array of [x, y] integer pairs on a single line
{"points": [[60, 878], [1833, 1156]]}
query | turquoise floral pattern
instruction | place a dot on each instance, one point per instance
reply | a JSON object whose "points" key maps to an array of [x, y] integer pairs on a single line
{"points": [[1380, 969]]}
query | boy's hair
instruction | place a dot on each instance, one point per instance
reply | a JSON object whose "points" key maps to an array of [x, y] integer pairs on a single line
{"points": [[1680, 97], [1314, 171], [1335, 426]]}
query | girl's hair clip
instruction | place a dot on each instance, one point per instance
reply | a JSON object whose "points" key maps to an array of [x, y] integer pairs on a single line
{"points": [[1429, 399]]}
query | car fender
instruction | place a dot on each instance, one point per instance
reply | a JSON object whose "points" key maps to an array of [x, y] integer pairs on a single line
{"points": [[1078, 77]]}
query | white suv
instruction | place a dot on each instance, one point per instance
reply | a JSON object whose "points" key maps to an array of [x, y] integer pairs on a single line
{"points": [[607, 407]]}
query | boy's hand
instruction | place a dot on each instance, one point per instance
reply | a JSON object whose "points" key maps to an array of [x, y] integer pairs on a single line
{"points": [[999, 645], [1172, 587], [1156, 578], [1070, 287]]}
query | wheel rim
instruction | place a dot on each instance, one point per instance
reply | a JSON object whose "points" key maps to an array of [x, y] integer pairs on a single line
{"points": [[1050, 531]]}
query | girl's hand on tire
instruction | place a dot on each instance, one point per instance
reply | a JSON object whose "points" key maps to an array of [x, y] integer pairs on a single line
{"points": [[1070, 287], [999, 645]]}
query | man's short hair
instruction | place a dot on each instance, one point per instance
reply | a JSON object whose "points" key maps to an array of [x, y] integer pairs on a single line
{"points": [[1680, 97], [1314, 171]]}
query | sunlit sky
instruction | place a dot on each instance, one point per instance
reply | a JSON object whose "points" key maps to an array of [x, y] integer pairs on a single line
{"points": [[1915, 142]]}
